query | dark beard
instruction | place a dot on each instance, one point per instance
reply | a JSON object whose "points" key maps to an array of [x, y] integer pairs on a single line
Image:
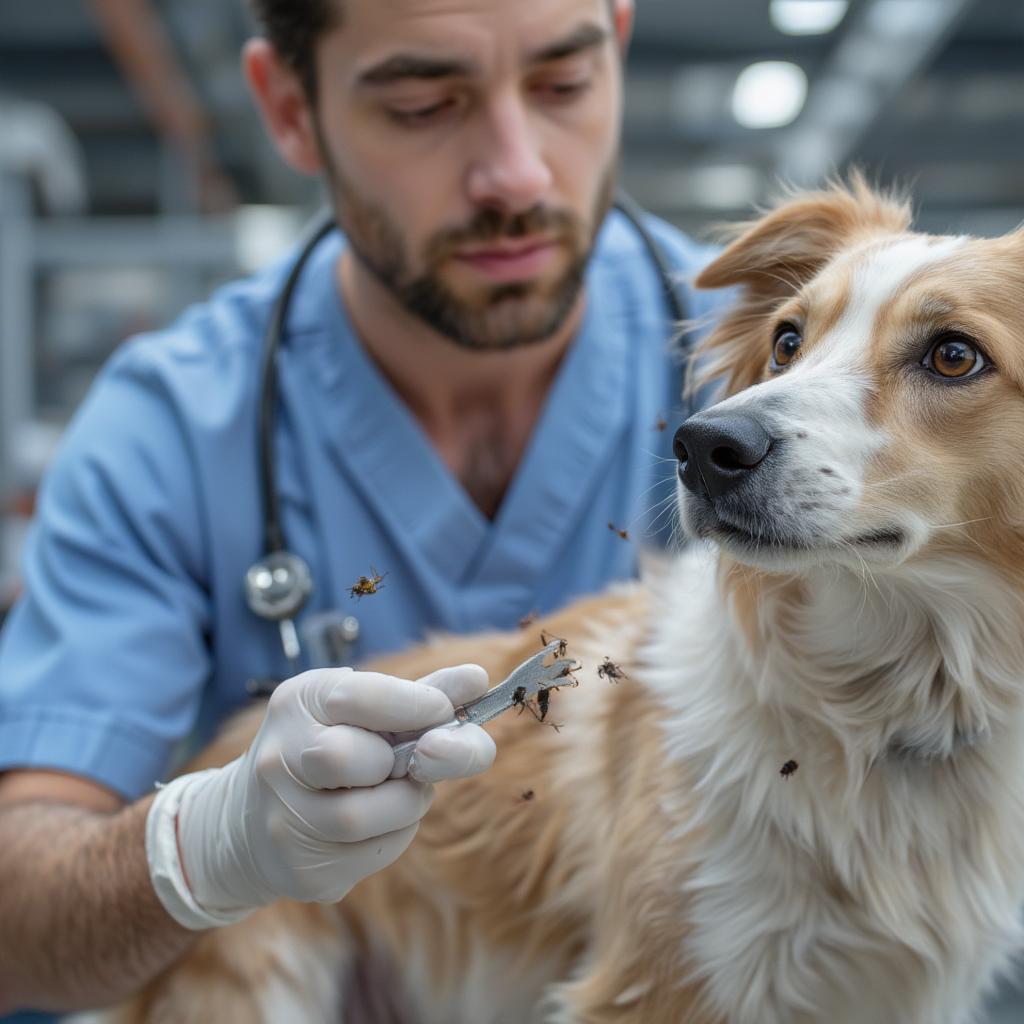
{"points": [[501, 317]]}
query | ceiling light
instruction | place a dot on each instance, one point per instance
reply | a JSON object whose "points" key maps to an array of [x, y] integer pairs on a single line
{"points": [[807, 17], [769, 94]]}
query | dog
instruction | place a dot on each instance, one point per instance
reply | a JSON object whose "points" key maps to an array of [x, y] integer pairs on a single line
{"points": [[800, 796]]}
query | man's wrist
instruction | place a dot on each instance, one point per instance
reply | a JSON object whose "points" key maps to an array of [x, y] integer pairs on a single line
{"points": [[164, 852]]}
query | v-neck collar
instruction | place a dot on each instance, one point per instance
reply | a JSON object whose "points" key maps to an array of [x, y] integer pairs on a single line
{"points": [[382, 450]]}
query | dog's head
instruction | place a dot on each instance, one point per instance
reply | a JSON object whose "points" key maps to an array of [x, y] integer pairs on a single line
{"points": [[873, 381]]}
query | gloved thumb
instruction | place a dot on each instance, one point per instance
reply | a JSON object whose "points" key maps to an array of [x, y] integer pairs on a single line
{"points": [[459, 683]]}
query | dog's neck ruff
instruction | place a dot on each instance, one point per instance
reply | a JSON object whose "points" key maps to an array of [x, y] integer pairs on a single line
{"points": [[901, 751], [920, 663], [861, 863]]}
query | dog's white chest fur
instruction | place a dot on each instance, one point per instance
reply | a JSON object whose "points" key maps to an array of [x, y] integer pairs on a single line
{"points": [[874, 882]]}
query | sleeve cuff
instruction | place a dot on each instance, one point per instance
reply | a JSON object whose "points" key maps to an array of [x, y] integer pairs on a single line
{"points": [[84, 743], [165, 868]]}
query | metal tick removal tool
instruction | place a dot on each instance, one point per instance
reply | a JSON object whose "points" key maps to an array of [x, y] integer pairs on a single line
{"points": [[523, 683]]}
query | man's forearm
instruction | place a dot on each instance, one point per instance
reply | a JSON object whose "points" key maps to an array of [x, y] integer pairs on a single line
{"points": [[80, 924]]}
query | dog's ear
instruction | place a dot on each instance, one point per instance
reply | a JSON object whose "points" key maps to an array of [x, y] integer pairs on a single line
{"points": [[772, 258], [789, 245]]}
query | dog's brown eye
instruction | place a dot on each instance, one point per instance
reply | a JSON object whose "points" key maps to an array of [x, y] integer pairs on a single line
{"points": [[954, 356], [785, 346]]}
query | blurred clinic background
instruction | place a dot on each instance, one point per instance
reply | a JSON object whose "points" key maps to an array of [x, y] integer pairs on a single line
{"points": [[134, 174]]}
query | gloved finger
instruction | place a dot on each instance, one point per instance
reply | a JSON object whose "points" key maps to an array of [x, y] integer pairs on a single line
{"points": [[460, 683], [452, 753], [373, 701], [360, 860], [343, 755], [351, 815]]}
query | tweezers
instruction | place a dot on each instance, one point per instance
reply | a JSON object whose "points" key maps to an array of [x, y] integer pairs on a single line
{"points": [[519, 686]]}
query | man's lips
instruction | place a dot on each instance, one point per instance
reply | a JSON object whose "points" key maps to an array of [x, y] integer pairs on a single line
{"points": [[512, 260]]}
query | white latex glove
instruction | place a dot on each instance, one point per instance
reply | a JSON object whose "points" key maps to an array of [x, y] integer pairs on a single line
{"points": [[309, 809]]}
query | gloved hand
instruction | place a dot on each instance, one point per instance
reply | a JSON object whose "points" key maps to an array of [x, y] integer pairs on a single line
{"points": [[309, 809]]}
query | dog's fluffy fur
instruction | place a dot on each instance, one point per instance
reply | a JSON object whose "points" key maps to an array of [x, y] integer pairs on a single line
{"points": [[860, 611]]}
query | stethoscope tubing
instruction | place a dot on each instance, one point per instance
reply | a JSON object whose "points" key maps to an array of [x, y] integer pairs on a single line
{"points": [[273, 529]]}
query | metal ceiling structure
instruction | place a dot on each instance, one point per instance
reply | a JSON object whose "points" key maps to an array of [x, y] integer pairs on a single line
{"points": [[925, 92]]}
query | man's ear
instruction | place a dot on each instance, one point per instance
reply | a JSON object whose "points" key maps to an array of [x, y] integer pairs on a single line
{"points": [[622, 13], [284, 106], [772, 258]]}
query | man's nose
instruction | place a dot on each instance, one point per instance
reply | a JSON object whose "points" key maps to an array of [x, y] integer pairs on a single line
{"points": [[718, 452], [509, 171]]}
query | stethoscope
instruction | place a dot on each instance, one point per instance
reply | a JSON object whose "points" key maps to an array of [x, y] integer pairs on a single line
{"points": [[279, 584]]}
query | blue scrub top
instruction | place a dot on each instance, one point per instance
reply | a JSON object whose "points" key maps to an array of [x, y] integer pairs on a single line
{"points": [[133, 631]]}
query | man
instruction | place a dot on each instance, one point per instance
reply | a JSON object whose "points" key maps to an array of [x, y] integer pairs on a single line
{"points": [[472, 382]]}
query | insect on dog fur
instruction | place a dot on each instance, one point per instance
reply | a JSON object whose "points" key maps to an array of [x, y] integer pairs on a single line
{"points": [[543, 696], [520, 700], [548, 638], [610, 671]]}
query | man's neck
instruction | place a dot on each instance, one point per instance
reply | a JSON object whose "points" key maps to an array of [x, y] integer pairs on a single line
{"points": [[478, 408], [438, 379]]}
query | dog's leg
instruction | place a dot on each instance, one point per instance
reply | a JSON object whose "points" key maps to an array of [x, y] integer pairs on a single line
{"points": [[283, 963], [606, 993]]}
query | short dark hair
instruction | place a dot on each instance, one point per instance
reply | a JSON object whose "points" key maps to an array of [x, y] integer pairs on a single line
{"points": [[293, 28]]}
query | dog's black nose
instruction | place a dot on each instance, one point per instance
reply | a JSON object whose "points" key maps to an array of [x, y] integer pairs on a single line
{"points": [[716, 452]]}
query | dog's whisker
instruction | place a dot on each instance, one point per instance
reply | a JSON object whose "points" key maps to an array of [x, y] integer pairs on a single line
{"points": [[659, 458], [666, 480], [665, 511], [966, 522], [665, 504], [668, 500], [661, 507], [866, 576], [677, 535], [644, 513]]}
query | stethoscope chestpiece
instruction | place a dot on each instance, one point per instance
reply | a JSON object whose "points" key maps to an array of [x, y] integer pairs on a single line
{"points": [[276, 588], [278, 585]]}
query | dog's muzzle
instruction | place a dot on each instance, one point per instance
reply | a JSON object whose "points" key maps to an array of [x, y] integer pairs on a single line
{"points": [[717, 453]]}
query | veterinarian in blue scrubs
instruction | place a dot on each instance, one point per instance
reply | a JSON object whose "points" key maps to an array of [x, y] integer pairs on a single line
{"points": [[520, 463], [149, 518]]}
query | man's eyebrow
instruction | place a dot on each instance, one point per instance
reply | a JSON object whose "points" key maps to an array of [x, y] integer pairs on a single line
{"points": [[409, 65], [586, 37], [401, 66]]}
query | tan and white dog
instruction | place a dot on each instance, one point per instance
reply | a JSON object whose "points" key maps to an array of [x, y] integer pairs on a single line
{"points": [[805, 801]]}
